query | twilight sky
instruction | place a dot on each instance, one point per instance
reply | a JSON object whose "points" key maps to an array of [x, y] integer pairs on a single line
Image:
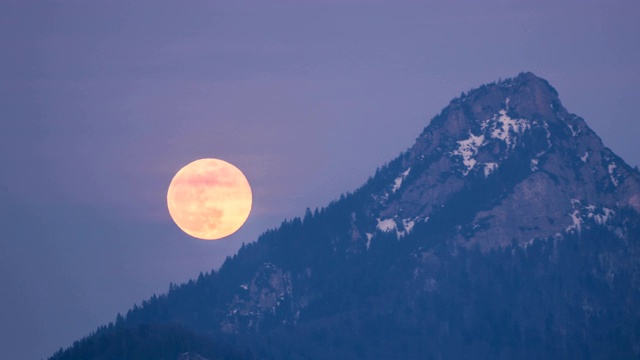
{"points": [[101, 102]]}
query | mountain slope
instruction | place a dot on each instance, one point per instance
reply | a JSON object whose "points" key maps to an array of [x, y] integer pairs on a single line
{"points": [[507, 230]]}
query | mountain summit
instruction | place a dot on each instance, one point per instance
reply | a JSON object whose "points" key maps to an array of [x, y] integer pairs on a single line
{"points": [[508, 230], [519, 163]]}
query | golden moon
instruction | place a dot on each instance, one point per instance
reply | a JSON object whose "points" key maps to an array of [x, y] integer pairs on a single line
{"points": [[209, 199]]}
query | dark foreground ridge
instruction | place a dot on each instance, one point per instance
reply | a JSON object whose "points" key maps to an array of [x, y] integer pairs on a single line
{"points": [[508, 230]]}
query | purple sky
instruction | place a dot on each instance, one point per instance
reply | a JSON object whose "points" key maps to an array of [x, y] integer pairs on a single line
{"points": [[101, 102]]}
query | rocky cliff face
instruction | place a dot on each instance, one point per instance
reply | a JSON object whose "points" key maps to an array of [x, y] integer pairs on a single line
{"points": [[508, 230]]}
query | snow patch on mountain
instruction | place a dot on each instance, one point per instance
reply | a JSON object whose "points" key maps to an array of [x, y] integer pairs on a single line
{"points": [[381, 199], [408, 225], [501, 127], [468, 149], [601, 216], [489, 168], [574, 133], [528, 243], [546, 128], [386, 225], [612, 174], [582, 214], [534, 164], [505, 125], [577, 222], [398, 181], [585, 157]]}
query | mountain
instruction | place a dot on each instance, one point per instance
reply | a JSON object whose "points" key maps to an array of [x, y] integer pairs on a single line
{"points": [[508, 230]]}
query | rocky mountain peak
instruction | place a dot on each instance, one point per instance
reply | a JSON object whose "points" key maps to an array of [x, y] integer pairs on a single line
{"points": [[538, 166], [526, 96]]}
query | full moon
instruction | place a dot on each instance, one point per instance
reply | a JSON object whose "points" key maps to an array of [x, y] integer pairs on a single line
{"points": [[209, 199]]}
